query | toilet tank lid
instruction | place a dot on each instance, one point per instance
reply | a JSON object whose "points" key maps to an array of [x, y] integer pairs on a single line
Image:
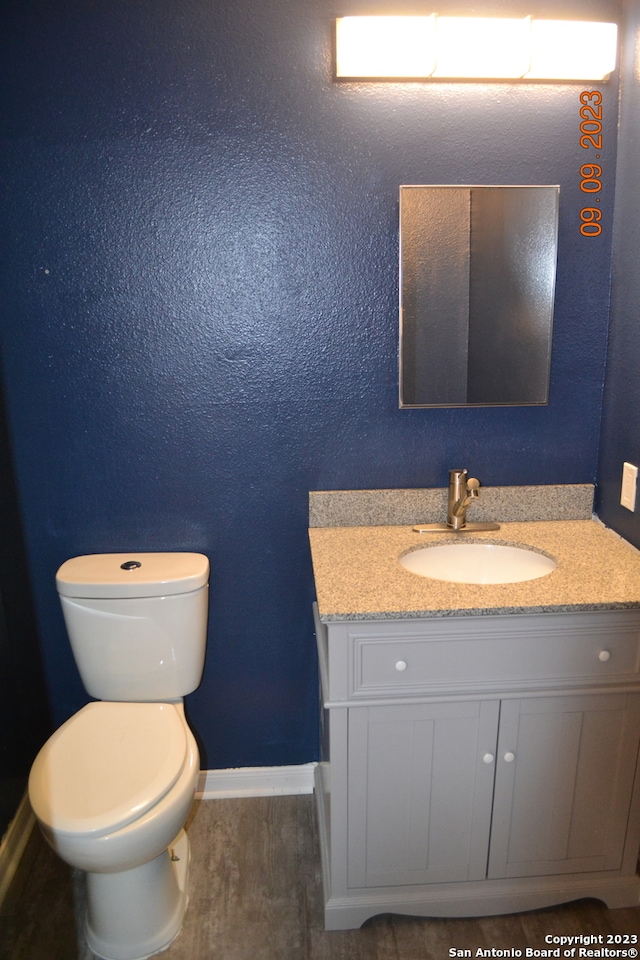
{"points": [[117, 575]]}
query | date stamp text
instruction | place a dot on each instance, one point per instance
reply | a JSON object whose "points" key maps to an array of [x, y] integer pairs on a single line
{"points": [[591, 173]]}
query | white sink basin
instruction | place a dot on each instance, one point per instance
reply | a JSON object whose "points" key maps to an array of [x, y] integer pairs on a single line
{"points": [[478, 563]]}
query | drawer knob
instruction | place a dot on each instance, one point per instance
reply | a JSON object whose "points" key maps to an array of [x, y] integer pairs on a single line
{"points": [[509, 757], [488, 758], [401, 665], [604, 655]]}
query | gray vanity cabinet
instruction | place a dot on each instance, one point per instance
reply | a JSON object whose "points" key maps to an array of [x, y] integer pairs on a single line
{"points": [[565, 771], [421, 788], [445, 792], [419, 792]]}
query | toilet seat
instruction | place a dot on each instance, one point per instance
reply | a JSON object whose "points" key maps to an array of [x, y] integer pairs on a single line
{"points": [[107, 765]]}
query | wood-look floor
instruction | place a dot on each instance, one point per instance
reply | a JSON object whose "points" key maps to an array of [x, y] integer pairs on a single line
{"points": [[256, 895]]}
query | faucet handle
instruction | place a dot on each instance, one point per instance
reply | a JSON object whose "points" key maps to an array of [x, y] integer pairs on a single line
{"points": [[473, 486]]}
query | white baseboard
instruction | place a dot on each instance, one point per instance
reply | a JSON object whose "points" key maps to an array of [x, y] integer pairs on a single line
{"points": [[14, 843], [255, 782]]}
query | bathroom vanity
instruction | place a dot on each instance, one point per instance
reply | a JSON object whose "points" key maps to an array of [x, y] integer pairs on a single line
{"points": [[480, 742]]}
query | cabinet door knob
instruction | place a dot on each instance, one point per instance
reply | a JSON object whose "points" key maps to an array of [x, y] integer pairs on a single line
{"points": [[401, 665], [488, 758], [604, 655], [509, 757]]}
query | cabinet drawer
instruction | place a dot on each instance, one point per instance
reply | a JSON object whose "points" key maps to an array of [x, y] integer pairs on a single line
{"points": [[518, 649]]}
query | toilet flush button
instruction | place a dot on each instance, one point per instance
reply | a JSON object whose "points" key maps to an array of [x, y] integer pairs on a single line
{"points": [[130, 565]]}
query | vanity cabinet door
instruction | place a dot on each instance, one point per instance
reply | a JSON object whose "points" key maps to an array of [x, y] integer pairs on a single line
{"points": [[420, 788], [564, 780]]}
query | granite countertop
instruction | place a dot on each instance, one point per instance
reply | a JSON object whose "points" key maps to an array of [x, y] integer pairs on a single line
{"points": [[358, 577]]}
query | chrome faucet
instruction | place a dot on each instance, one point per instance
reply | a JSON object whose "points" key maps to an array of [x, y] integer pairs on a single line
{"points": [[462, 490]]}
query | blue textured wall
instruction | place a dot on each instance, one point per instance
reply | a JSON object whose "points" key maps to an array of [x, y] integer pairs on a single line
{"points": [[621, 420], [199, 309]]}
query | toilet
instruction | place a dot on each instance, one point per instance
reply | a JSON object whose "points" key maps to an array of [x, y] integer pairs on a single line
{"points": [[113, 786]]}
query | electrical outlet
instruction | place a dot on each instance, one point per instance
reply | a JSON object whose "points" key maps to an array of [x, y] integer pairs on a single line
{"points": [[629, 484]]}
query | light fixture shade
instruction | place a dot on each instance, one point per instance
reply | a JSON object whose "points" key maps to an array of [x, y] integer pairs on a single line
{"points": [[480, 48], [572, 50], [385, 46]]}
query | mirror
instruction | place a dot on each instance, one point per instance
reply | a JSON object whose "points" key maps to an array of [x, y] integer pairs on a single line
{"points": [[477, 281]]}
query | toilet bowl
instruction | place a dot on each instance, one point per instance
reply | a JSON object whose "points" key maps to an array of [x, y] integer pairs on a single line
{"points": [[112, 789], [113, 786]]}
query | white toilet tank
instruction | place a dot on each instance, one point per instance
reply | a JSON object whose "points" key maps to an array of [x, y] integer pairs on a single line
{"points": [[137, 622]]}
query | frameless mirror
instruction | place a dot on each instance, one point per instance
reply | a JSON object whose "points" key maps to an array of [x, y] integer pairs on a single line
{"points": [[477, 281]]}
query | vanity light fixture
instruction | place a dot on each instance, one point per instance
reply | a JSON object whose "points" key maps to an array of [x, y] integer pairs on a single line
{"points": [[474, 48]]}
